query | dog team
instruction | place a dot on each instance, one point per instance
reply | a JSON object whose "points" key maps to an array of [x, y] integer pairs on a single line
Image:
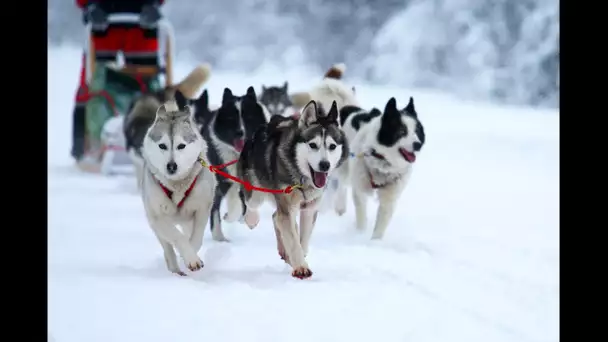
{"points": [[286, 160]]}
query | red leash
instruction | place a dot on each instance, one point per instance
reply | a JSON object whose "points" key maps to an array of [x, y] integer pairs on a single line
{"points": [[248, 186]]}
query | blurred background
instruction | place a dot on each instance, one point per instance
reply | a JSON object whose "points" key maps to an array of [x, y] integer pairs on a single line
{"points": [[500, 50]]}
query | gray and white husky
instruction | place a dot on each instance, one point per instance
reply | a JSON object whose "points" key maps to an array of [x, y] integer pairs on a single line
{"points": [[284, 153], [276, 99], [384, 147], [142, 113], [176, 189]]}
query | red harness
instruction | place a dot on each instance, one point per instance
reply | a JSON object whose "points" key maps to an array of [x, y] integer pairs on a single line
{"points": [[169, 193]]}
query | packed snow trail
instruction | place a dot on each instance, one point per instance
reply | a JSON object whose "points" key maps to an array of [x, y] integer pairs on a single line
{"points": [[472, 254]]}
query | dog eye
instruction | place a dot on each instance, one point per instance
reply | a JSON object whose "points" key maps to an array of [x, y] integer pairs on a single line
{"points": [[313, 146], [162, 146], [332, 147], [181, 146]]}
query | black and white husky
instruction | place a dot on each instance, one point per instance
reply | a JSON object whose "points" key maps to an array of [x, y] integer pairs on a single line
{"points": [[284, 153], [384, 148], [225, 131], [176, 189]]}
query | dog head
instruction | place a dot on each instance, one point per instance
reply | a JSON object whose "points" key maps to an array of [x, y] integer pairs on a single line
{"points": [[276, 99], [228, 126], [321, 145], [400, 135], [173, 144]]}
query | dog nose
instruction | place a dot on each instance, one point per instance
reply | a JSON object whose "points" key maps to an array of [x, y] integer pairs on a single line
{"points": [[239, 133], [171, 167], [417, 146], [324, 166]]}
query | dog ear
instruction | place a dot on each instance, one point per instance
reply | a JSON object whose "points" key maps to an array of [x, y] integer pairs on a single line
{"points": [[263, 88], [251, 93], [180, 99], [410, 107], [308, 114], [203, 100], [201, 109], [332, 116], [391, 111], [227, 97], [391, 106], [285, 86]]}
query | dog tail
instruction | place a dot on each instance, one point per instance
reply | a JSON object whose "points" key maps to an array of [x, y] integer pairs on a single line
{"points": [[336, 71], [195, 79]]}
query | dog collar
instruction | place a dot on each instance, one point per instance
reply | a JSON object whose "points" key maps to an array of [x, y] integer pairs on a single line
{"points": [[169, 193]]}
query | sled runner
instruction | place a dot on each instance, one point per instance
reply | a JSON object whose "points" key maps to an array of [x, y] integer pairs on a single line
{"points": [[122, 62]]}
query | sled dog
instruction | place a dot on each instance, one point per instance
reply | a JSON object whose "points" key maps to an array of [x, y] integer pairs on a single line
{"points": [[143, 112], [276, 99], [384, 148], [176, 188], [225, 132], [284, 153]]}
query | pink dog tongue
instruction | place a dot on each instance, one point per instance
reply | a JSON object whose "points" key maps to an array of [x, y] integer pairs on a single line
{"points": [[238, 144], [409, 156], [319, 178]]}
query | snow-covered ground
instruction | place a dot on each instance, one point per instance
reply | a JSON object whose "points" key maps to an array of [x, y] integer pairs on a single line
{"points": [[471, 255]]}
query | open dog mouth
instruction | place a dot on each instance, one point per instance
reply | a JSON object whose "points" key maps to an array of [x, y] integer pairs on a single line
{"points": [[319, 179], [238, 144], [409, 156]]}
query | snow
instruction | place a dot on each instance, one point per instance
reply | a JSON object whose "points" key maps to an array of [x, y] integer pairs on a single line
{"points": [[471, 255]]}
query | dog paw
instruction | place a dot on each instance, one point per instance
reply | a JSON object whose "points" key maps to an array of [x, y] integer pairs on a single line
{"points": [[376, 236], [218, 235], [220, 239], [195, 265], [252, 218], [340, 211], [301, 272], [179, 273]]}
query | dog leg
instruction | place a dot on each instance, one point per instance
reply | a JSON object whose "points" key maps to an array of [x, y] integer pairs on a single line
{"points": [[235, 211], [201, 217], [170, 257], [169, 233], [387, 198], [252, 216], [280, 247], [341, 194], [216, 222], [285, 221], [360, 201], [308, 218]]}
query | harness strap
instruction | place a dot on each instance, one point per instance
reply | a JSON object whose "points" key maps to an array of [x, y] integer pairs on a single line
{"points": [[169, 193]]}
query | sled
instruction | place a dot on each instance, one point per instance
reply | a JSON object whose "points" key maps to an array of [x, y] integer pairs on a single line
{"points": [[111, 90]]}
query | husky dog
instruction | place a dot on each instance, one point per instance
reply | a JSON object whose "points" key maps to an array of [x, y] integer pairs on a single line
{"points": [[284, 153], [176, 189], [331, 88], [225, 131], [143, 112], [276, 99], [384, 147]]}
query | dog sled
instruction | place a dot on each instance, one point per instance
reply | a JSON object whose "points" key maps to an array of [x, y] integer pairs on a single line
{"points": [[112, 85]]}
